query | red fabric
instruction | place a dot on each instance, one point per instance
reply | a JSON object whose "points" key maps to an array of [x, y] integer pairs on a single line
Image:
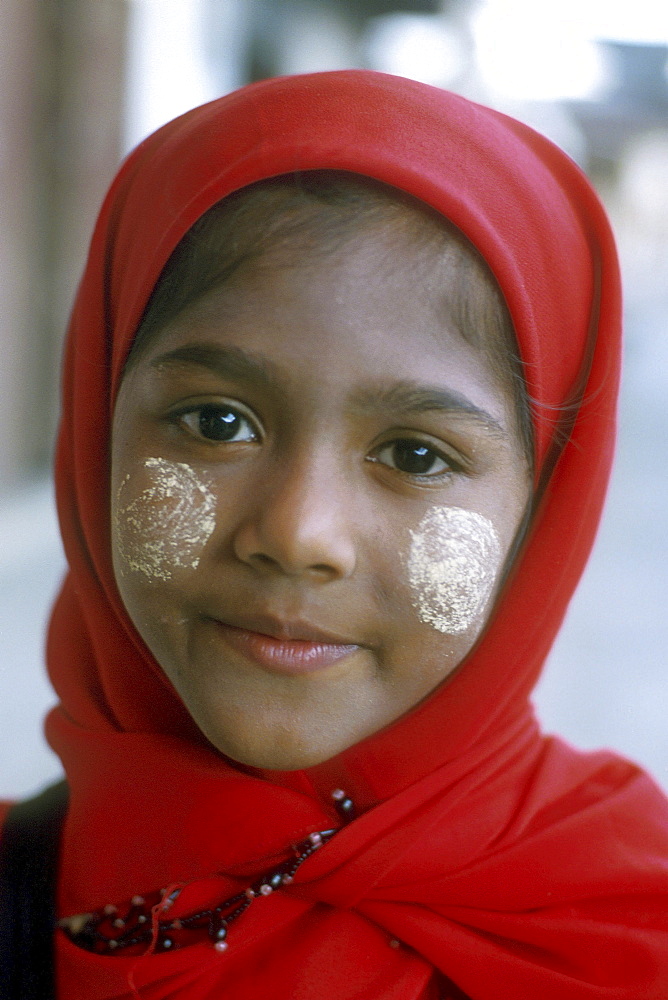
{"points": [[506, 862]]}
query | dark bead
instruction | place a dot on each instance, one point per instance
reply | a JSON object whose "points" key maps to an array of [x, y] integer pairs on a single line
{"points": [[134, 922], [86, 938]]}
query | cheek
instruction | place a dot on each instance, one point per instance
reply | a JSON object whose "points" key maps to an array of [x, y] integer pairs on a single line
{"points": [[453, 563], [162, 519]]}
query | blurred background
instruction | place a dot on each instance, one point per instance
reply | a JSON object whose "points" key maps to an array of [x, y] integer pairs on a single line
{"points": [[81, 83]]}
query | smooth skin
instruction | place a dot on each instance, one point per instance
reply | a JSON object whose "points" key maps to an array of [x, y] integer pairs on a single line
{"points": [[328, 405]]}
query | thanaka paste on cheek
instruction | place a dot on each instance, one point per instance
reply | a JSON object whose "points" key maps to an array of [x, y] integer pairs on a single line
{"points": [[166, 526], [454, 558]]}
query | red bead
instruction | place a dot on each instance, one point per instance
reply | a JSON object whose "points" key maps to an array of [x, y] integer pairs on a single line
{"points": [[287, 879], [250, 894]]}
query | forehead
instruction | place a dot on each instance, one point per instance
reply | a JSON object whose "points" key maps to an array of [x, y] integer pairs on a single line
{"points": [[293, 222], [364, 317], [380, 279]]}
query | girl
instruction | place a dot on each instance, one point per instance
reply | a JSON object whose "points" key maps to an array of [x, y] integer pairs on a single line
{"points": [[338, 418]]}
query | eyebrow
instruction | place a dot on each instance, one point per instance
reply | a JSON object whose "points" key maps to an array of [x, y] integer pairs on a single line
{"points": [[405, 396], [229, 362], [413, 397]]}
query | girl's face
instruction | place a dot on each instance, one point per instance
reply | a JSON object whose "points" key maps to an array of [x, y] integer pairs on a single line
{"points": [[315, 483]]}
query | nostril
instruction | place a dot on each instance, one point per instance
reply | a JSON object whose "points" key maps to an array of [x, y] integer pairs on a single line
{"points": [[274, 545], [266, 561], [263, 559]]}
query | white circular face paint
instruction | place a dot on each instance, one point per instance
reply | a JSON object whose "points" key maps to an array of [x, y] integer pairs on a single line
{"points": [[166, 526], [454, 557]]}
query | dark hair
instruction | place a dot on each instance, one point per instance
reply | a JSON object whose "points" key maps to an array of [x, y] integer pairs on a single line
{"points": [[299, 216]]}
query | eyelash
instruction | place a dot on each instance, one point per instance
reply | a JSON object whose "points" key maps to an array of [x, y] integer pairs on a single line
{"points": [[423, 452], [210, 413], [233, 419]]}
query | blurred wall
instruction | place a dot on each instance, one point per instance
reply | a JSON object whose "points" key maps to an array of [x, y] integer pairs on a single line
{"points": [[61, 100], [18, 274]]}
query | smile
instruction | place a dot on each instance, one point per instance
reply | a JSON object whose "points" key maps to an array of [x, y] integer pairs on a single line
{"points": [[282, 655]]}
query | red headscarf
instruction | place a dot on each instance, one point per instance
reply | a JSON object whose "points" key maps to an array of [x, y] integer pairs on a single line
{"points": [[487, 861]]}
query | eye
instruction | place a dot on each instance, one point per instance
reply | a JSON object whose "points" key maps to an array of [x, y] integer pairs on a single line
{"points": [[219, 423], [414, 458]]}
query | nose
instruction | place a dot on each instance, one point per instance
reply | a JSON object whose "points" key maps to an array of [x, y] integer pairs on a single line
{"points": [[300, 525]]}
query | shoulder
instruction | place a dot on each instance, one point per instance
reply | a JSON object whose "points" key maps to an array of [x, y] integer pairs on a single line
{"points": [[37, 819]]}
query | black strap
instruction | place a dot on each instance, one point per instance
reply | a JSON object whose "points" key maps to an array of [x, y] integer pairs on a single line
{"points": [[29, 847]]}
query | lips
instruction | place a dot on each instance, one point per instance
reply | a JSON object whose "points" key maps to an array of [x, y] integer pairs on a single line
{"points": [[286, 648]]}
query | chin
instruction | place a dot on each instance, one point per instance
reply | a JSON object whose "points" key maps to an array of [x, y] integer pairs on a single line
{"points": [[274, 758], [277, 751]]}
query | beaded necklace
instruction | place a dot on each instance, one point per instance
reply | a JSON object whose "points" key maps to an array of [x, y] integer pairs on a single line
{"points": [[143, 925]]}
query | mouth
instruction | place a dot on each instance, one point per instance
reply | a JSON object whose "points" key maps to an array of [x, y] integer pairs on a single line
{"points": [[286, 648]]}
